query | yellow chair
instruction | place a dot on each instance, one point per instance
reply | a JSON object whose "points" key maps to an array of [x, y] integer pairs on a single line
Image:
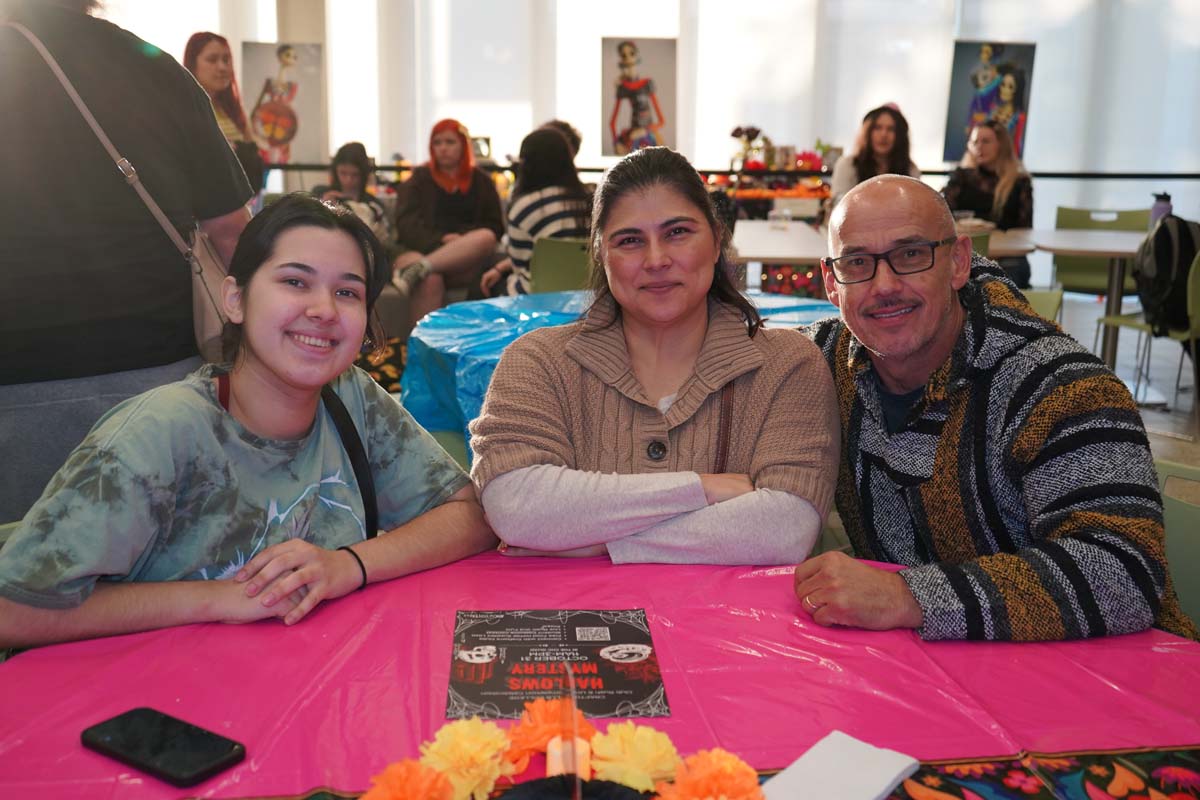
{"points": [[1180, 487], [1190, 334], [559, 265], [1047, 303], [1090, 275]]}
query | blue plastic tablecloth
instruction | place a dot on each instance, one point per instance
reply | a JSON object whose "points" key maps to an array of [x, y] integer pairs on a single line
{"points": [[453, 351]]}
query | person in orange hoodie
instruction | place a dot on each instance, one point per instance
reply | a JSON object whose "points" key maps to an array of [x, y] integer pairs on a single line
{"points": [[448, 220]]}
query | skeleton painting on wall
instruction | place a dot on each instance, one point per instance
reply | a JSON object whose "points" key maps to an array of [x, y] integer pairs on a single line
{"points": [[638, 94]]}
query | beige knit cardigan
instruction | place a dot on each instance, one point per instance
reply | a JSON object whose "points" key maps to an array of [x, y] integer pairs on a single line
{"points": [[567, 396]]}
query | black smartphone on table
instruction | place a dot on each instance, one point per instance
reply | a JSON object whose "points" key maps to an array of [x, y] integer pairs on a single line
{"points": [[178, 752]]}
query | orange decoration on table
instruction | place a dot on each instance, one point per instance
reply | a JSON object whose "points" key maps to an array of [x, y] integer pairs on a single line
{"points": [[409, 780], [541, 721], [711, 774]]}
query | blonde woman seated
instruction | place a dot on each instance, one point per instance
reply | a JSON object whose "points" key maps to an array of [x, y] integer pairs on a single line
{"points": [[666, 425], [992, 182]]}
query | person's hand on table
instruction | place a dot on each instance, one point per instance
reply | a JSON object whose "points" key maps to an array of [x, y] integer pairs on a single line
{"points": [[284, 570], [232, 605], [725, 486], [578, 552], [493, 275], [836, 589]]}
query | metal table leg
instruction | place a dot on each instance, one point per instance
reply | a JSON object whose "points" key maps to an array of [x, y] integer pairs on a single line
{"points": [[1112, 307]]}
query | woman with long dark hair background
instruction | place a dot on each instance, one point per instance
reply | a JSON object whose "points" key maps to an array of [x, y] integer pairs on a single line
{"points": [[882, 147], [548, 200], [209, 58]]}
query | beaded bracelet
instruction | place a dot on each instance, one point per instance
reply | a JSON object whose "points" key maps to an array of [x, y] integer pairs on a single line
{"points": [[361, 567]]}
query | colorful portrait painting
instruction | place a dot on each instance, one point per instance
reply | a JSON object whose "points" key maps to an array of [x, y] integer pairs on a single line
{"points": [[988, 81]]}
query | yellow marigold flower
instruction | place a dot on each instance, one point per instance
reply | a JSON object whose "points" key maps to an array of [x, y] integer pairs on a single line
{"points": [[541, 722], [712, 775], [633, 755], [470, 752], [409, 780]]}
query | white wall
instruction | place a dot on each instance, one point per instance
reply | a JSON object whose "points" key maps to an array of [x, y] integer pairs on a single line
{"points": [[164, 26], [1115, 83]]}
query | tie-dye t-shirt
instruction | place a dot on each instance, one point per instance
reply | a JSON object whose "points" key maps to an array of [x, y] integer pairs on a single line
{"points": [[168, 486]]}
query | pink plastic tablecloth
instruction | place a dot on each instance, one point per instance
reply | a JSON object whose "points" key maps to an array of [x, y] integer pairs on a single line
{"points": [[362, 682]]}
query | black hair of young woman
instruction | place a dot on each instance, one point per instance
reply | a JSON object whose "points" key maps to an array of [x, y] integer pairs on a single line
{"points": [[546, 161], [662, 166], [297, 210], [354, 154]]}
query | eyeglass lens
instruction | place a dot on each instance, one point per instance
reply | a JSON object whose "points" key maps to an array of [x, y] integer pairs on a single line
{"points": [[906, 258]]}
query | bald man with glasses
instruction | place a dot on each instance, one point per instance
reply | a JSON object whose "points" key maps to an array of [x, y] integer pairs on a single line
{"points": [[999, 463]]}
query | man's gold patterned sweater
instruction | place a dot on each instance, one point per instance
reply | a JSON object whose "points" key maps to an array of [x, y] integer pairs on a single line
{"points": [[1020, 491]]}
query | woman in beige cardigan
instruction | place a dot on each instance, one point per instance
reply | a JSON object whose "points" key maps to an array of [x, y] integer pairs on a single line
{"points": [[608, 435]]}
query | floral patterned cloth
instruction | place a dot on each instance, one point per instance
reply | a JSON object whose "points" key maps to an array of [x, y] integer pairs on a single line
{"points": [[388, 366], [1169, 774]]}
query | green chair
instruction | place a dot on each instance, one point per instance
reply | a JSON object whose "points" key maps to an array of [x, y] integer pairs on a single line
{"points": [[559, 265], [980, 242], [1180, 487], [1047, 303], [1137, 322], [454, 443], [1090, 275]]}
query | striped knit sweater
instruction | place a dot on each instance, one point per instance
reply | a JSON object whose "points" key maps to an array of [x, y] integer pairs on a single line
{"points": [[549, 212], [1021, 491]]}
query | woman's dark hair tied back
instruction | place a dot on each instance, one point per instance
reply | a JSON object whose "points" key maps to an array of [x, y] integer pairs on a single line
{"points": [[298, 210], [662, 166]]}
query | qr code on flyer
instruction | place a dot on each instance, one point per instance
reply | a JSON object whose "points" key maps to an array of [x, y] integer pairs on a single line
{"points": [[592, 635]]}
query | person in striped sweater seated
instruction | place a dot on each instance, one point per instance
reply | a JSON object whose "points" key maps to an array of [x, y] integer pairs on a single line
{"points": [[998, 462], [547, 200]]}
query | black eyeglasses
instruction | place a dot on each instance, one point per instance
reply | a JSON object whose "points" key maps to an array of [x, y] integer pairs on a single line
{"points": [[906, 259]]}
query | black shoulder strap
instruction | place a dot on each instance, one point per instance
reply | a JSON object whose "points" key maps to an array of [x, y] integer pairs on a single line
{"points": [[358, 456]]}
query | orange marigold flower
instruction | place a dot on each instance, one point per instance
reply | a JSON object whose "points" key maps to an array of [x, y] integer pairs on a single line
{"points": [[541, 721], [409, 780], [712, 774]]}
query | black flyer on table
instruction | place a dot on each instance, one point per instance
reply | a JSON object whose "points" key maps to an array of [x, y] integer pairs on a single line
{"points": [[503, 659]]}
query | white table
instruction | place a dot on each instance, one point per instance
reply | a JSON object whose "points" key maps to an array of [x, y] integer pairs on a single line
{"points": [[1011, 243], [1117, 247], [778, 242]]}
